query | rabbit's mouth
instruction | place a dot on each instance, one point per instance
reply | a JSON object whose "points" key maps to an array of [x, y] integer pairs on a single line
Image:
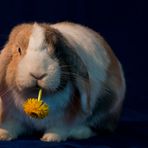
{"points": [[47, 82], [33, 87]]}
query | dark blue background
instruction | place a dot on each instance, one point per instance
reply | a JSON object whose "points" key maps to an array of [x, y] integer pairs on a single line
{"points": [[124, 25]]}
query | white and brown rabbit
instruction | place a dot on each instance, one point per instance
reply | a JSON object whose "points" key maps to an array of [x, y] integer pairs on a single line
{"points": [[81, 78]]}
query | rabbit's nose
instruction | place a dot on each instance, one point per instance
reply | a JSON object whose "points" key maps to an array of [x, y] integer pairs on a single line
{"points": [[38, 76]]}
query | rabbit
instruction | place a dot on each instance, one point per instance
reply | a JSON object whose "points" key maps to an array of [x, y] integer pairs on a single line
{"points": [[82, 81]]}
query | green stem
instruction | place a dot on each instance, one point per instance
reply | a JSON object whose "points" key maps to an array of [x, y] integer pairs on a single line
{"points": [[39, 94]]}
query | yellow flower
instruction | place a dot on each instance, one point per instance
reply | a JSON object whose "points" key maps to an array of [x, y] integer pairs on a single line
{"points": [[35, 107]]}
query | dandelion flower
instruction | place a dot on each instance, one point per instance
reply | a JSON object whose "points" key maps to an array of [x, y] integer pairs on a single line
{"points": [[35, 107]]}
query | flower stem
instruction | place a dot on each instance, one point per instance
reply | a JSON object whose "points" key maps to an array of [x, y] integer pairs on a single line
{"points": [[39, 94]]}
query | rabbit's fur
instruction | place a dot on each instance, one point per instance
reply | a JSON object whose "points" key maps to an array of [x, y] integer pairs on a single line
{"points": [[81, 78]]}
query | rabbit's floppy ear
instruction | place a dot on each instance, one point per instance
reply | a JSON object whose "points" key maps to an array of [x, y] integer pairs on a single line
{"points": [[6, 53], [5, 58], [77, 68]]}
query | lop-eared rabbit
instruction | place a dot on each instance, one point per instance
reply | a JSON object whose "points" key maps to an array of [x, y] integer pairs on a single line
{"points": [[81, 78]]}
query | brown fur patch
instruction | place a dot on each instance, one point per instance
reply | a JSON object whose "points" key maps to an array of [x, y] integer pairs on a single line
{"points": [[113, 72], [73, 108], [19, 38], [51, 34], [5, 58], [1, 111], [114, 68]]}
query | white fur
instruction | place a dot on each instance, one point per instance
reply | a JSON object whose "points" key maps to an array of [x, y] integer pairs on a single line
{"points": [[37, 38]]}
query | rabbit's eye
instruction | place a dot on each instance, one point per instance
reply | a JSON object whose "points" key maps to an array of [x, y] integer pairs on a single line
{"points": [[19, 50]]}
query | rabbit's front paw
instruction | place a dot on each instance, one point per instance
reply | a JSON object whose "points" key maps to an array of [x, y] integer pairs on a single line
{"points": [[5, 136], [52, 137]]}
